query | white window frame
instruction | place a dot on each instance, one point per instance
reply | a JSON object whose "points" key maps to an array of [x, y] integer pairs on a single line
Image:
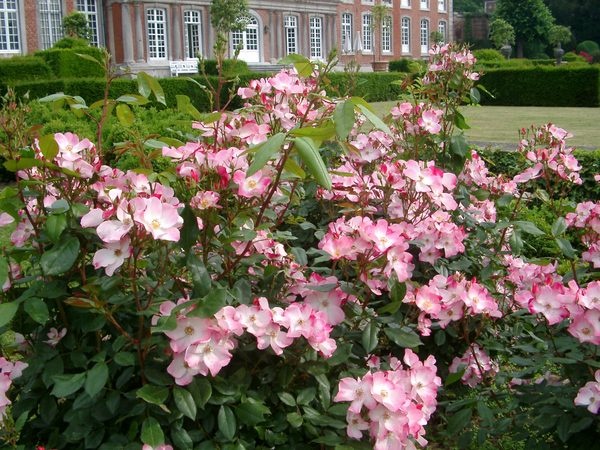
{"points": [[192, 33], [386, 34], [367, 2], [405, 34], [10, 37], [367, 33], [346, 27], [316, 37], [290, 26], [424, 4], [387, 3], [51, 29], [90, 9], [156, 31], [424, 36], [443, 30], [405, 4], [442, 5]]}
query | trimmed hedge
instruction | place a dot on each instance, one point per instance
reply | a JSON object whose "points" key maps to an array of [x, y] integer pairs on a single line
{"points": [[511, 163], [543, 86], [65, 63], [231, 67], [22, 68]]}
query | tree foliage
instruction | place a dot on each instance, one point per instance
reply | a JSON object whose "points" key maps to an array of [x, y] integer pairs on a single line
{"points": [[531, 20], [581, 16]]}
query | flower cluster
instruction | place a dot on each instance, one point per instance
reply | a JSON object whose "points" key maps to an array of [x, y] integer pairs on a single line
{"points": [[476, 364], [8, 372], [447, 299], [589, 395], [587, 218], [203, 345], [393, 405]]}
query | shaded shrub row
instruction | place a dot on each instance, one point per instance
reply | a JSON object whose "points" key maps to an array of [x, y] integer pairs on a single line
{"points": [[542, 86]]}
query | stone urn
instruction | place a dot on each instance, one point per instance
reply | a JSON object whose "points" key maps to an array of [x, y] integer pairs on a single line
{"points": [[379, 66], [558, 54], [506, 50]]}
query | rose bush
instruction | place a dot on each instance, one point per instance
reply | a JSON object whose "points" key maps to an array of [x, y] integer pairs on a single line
{"points": [[305, 275]]}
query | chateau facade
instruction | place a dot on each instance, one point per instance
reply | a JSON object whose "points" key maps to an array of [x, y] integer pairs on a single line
{"points": [[146, 35]]}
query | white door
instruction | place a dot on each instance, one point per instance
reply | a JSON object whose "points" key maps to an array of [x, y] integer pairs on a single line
{"points": [[248, 41]]}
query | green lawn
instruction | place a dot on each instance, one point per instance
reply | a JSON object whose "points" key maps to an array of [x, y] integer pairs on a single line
{"points": [[500, 124]]}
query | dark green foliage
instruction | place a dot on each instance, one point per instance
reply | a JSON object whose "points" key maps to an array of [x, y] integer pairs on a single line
{"points": [[488, 54], [374, 87], [71, 42], [407, 65], [574, 57], [587, 46], [231, 67], [511, 163], [22, 68], [543, 86], [65, 63]]}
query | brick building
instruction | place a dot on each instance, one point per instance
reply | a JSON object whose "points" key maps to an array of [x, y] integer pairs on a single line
{"points": [[146, 35]]}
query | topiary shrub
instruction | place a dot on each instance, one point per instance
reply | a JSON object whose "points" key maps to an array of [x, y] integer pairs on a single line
{"points": [[587, 47], [488, 54], [231, 67], [71, 42], [66, 63], [574, 57], [21, 68]]}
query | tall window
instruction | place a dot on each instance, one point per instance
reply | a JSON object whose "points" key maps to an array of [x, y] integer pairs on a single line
{"points": [[291, 34], [9, 27], [90, 9], [424, 36], [387, 2], [405, 35], [50, 22], [405, 3], [441, 5], [192, 33], [424, 4], [443, 29], [386, 35], [316, 37], [367, 32], [157, 33], [346, 32]]}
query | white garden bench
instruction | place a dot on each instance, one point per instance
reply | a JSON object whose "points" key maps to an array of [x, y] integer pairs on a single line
{"points": [[185, 66]]}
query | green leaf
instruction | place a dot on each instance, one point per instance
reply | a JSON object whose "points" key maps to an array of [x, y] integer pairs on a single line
{"points": [[37, 309], [211, 303], [226, 422], [559, 227], [147, 83], [404, 337], [201, 390], [319, 133], [515, 241], [475, 95], [459, 420], [125, 115], [200, 278], [55, 225], [293, 168], [152, 434], [286, 398], [96, 379], [529, 227], [7, 312], [190, 231], [306, 395], [453, 377], [311, 157], [185, 402], [485, 412], [133, 99], [153, 394], [185, 106], [460, 121], [458, 145], [294, 419], [124, 359], [4, 268], [369, 336], [301, 63], [264, 152], [54, 97], [344, 119], [251, 412], [65, 385], [372, 117], [565, 247], [61, 256], [49, 146], [90, 58]]}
